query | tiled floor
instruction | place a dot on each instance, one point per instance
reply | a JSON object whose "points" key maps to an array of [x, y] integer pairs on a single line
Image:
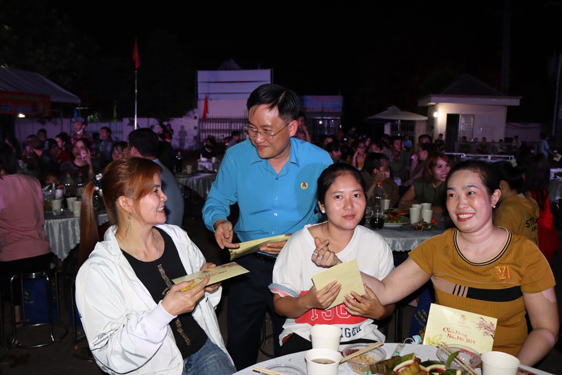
{"points": [[59, 358]]}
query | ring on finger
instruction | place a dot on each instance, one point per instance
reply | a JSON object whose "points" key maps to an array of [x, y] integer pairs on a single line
{"points": [[319, 257]]}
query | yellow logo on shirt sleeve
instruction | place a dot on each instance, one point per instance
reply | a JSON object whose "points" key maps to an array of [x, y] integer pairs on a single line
{"points": [[304, 185]]}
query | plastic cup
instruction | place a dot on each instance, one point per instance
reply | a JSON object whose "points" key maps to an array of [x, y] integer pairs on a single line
{"points": [[189, 169], [417, 205], [69, 201], [322, 361], [59, 193], [57, 206], [76, 205], [213, 159], [426, 206], [325, 336], [426, 215], [499, 363], [414, 215], [385, 204]]}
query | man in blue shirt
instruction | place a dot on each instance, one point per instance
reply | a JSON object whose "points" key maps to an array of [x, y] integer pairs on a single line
{"points": [[143, 143], [272, 176]]}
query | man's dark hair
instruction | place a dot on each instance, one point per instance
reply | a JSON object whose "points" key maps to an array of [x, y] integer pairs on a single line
{"points": [[235, 132], [107, 129], [395, 138], [145, 141], [425, 136], [286, 101], [42, 131]]}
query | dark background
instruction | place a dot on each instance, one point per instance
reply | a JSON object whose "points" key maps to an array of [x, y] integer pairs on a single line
{"points": [[374, 53]]}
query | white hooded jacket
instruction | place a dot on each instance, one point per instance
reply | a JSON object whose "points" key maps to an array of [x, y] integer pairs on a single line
{"points": [[126, 330]]}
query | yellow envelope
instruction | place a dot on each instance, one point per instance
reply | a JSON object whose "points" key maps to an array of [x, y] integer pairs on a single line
{"points": [[253, 246], [453, 326], [220, 273], [347, 274]]}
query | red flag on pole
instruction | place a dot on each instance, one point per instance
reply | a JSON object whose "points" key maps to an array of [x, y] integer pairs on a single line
{"points": [[136, 56], [205, 108]]}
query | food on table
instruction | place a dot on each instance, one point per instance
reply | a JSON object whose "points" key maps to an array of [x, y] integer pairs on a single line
{"points": [[395, 216], [363, 362]]}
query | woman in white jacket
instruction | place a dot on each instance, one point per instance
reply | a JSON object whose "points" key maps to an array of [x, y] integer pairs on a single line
{"points": [[135, 319]]}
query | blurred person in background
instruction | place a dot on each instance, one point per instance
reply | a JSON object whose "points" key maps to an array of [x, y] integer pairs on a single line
{"points": [[537, 179], [418, 160], [80, 133], [359, 154], [105, 147], [430, 188], [24, 246], [118, 150], [515, 211], [64, 155], [82, 161], [377, 169]]}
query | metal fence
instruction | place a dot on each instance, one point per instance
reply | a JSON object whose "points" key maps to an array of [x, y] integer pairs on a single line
{"points": [[221, 128]]}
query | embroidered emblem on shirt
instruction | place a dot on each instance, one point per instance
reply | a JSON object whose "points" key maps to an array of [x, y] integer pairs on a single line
{"points": [[502, 272], [304, 185]]}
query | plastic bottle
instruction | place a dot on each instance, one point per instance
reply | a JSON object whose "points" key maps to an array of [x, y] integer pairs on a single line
{"points": [[377, 221], [69, 185], [80, 184], [179, 162]]}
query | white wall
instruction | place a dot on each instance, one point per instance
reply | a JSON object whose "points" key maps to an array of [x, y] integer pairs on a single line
{"points": [[489, 120]]}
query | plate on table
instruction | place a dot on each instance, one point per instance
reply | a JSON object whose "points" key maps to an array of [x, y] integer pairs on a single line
{"points": [[405, 221], [286, 369]]}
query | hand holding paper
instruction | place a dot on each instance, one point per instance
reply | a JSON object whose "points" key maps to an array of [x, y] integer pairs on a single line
{"points": [[323, 298], [250, 247], [347, 274]]}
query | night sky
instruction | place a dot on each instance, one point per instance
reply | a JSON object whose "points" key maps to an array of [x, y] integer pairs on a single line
{"points": [[374, 53]]}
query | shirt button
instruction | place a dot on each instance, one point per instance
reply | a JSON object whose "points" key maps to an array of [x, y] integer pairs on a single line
{"points": [[275, 214]]}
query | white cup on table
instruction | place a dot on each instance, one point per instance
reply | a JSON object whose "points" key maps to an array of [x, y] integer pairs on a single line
{"points": [[322, 361], [499, 363], [69, 201], [189, 169], [325, 336], [76, 206], [385, 204], [426, 206], [417, 205], [426, 215], [415, 213], [57, 206]]}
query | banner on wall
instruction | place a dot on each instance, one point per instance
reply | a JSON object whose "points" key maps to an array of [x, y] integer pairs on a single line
{"points": [[14, 103]]}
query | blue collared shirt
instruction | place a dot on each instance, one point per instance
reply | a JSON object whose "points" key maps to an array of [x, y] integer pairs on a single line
{"points": [[270, 203]]}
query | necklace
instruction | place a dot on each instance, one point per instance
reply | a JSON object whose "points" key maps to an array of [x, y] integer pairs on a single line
{"points": [[133, 254]]}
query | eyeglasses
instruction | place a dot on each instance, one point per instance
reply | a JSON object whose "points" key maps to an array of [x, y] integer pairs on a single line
{"points": [[252, 131]]}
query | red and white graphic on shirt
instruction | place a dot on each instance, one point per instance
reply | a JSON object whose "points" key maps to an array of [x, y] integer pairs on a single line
{"points": [[335, 315]]}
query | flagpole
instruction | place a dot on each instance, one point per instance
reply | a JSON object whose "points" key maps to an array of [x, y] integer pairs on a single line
{"points": [[135, 99], [136, 58]]}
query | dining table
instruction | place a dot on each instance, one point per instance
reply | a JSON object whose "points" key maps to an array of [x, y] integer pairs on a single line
{"points": [[64, 231], [199, 182], [291, 364]]}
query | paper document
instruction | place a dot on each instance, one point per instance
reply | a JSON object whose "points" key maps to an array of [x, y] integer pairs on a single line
{"points": [[347, 274], [558, 157], [220, 273], [253, 246], [453, 326]]}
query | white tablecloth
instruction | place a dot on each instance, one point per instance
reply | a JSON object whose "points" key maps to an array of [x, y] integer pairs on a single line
{"points": [[404, 238], [64, 232], [200, 182], [424, 352], [208, 165]]}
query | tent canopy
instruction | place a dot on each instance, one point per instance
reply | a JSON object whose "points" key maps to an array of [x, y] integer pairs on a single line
{"points": [[394, 113], [21, 81]]}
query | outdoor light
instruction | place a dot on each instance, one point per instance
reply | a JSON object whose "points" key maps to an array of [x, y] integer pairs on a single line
{"points": [[21, 115], [435, 114]]}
